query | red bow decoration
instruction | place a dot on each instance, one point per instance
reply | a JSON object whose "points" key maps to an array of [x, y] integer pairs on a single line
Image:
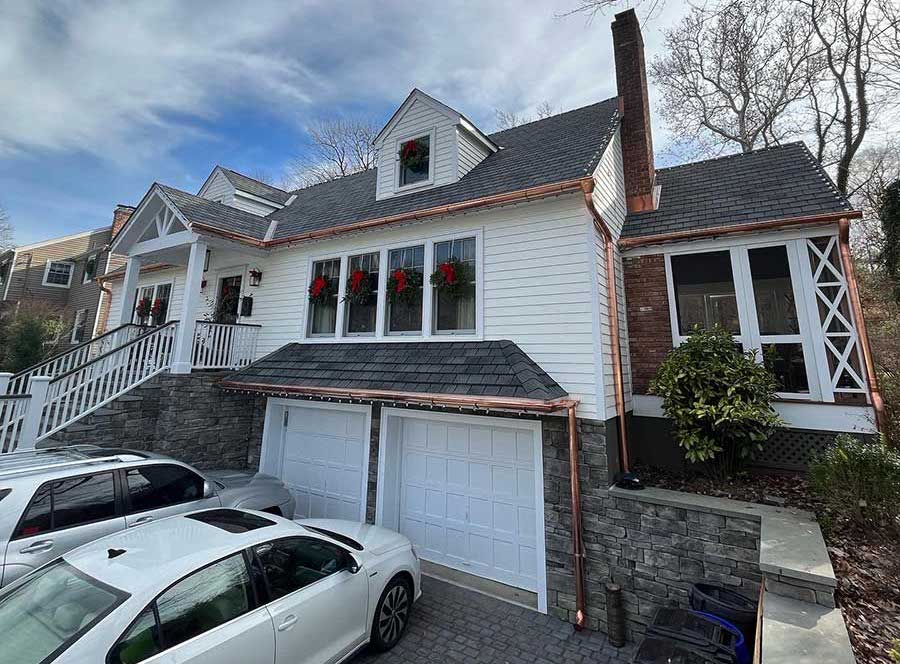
{"points": [[400, 277], [356, 280], [410, 148], [157, 308], [318, 285], [449, 273]]}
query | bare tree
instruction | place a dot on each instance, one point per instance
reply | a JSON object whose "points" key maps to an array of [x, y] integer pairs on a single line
{"points": [[848, 94], [874, 170], [732, 73], [590, 8], [339, 147], [508, 119], [6, 231]]}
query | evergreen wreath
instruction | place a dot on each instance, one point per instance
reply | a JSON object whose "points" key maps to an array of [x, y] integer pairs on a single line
{"points": [[405, 286], [321, 290], [359, 288], [143, 308], [452, 278], [414, 155], [156, 310]]}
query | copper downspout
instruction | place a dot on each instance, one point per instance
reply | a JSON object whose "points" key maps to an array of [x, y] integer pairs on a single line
{"points": [[856, 305], [614, 331], [631, 242], [577, 539]]}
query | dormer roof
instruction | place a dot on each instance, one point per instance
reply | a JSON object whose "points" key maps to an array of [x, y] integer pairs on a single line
{"points": [[455, 116]]}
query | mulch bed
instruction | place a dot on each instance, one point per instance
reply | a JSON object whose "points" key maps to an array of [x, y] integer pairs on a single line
{"points": [[866, 562]]}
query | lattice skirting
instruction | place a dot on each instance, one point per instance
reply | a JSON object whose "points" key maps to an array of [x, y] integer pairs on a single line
{"points": [[793, 449]]}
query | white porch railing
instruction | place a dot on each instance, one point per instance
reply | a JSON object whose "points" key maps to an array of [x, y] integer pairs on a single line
{"points": [[12, 418], [74, 357], [84, 389], [223, 345]]}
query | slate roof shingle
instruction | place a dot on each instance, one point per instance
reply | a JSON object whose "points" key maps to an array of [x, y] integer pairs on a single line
{"points": [[217, 215], [255, 187], [763, 185], [467, 368], [559, 148]]}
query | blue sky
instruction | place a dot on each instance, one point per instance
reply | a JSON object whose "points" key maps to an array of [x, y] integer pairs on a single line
{"points": [[100, 99]]}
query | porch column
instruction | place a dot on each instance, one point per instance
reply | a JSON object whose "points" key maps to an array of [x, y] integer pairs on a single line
{"points": [[129, 289], [184, 339]]}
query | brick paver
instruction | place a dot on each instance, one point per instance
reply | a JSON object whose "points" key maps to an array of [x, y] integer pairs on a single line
{"points": [[451, 624]]}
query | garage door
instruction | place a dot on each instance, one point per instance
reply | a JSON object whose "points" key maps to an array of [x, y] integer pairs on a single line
{"points": [[468, 498], [324, 461]]}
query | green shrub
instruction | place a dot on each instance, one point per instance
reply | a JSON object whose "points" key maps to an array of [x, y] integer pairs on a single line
{"points": [[858, 481], [29, 336], [717, 398]]}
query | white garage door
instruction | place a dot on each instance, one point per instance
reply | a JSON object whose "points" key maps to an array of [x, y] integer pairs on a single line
{"points": [[468, 498], [324, 461]]}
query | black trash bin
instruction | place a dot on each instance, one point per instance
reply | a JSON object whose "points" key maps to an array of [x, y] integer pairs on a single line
{"points": [[655, 650], [737, 609]]}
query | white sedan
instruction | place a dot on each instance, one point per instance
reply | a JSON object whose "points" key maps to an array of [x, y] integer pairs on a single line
{"points": [[221, 586]]}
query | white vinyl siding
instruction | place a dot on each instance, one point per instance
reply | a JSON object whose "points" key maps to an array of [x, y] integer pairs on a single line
{"points": [[470, 152], [252, 206], [218, 189], [420, 118], [609, 199]]}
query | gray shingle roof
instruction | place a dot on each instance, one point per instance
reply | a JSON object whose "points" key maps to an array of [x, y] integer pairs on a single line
{"points": [[468, 368], [764, 185], [555, 149], [217, 215], [255, 187]]}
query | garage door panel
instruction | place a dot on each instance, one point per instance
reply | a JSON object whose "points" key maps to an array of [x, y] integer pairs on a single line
{"points": [[467, 497], [324, 461]]}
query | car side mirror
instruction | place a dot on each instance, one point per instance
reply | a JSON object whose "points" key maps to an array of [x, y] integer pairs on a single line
{"points": [[208, 491], [351, 565]]}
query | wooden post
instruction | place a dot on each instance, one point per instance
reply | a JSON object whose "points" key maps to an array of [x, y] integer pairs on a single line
{"points": [[190, 304], [129, 289], [37, 388]]}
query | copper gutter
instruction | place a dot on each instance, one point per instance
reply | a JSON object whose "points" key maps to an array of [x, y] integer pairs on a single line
{"points": [[577, 538], [631, 242], [614, 331], [451, 400], [856, 305]]}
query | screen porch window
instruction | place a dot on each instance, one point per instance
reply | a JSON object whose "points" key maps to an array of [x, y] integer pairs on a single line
{"points": [[404, 315], [454, 314], [156, 304], [704, 292], [414, 160], [58, 274], [323, 315], [362, 306]]}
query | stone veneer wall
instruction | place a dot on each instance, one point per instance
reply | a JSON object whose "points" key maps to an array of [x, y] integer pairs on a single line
{"points": [[186, 416]]}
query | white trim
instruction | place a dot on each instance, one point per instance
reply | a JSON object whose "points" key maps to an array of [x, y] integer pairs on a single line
{"points": [[731, 240], [816, 416], [534, 426], [397, 188], [154, 285], [12, 269], [103, 294], [47, 272], [257, 199], [180, 239], [411, 98], [271, 454], [384, 250]]}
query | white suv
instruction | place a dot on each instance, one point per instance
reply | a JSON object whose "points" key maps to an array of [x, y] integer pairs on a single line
{"points": [[53, 500], [219, 586]]}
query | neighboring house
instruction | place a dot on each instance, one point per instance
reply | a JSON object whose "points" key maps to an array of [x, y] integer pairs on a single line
{"points": [[462, 415], [61, 273]]}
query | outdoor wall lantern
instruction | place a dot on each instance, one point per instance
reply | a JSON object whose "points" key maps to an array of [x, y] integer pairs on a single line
{"points": [[255, 277]]}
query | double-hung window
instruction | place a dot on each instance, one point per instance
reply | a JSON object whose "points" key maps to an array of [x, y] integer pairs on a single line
{"points": [[751, 292], [405, 285], [414, 163], [454, 307], [58, 274], [361, 294], [323, 312], [151, 304]]}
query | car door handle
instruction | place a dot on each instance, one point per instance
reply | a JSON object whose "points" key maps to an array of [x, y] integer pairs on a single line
{"points": [[143, 519], [38, 547], [287, 623]]}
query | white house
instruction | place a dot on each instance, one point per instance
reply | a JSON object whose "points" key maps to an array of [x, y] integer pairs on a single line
{"points": [[458, 342]]}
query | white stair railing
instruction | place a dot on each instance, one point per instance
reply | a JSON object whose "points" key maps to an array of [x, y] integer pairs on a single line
{"points": [[74, 357], [86, 388], [12, 418], [223, 345]]}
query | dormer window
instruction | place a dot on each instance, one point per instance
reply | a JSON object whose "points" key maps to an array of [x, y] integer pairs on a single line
{"points": [[414, 161]]}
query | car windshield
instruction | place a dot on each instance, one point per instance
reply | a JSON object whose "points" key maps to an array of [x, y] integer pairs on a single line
{"points": [[47, 611]]}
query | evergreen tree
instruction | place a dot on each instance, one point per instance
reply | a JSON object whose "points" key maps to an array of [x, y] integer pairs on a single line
{"points": [[889, 214]]}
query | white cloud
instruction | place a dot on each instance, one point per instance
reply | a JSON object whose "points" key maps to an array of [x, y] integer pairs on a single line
{"points": [[131, 80]]}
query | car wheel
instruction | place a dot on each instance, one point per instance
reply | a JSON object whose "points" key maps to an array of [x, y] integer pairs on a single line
{"points": [[391, 614]]}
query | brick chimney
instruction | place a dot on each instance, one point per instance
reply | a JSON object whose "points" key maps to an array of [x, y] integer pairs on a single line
{"points": [[631, 84], [121, 214]]}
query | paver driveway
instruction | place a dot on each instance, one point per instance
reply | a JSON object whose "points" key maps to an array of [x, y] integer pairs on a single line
{"points": [[451, 624]]}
